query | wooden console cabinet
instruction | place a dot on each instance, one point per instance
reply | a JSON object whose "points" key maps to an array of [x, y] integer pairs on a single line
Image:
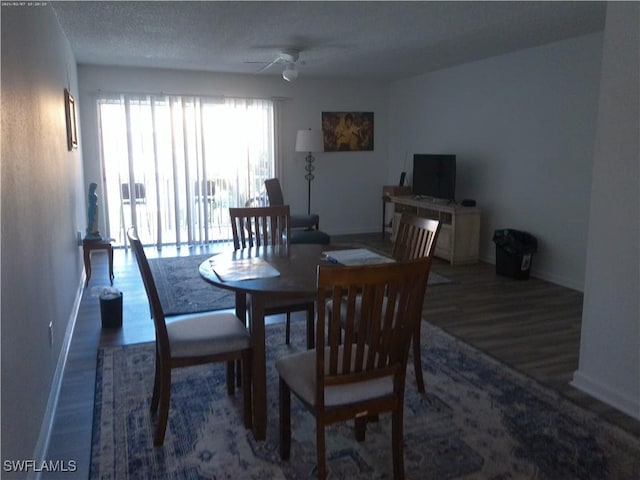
{"points": [[459, 238]]}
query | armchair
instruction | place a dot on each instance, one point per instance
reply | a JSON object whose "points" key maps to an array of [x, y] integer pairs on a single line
{"points": [[274, 192]]}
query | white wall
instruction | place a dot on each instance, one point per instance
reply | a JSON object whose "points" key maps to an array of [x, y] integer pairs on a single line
{"points": [[347, 186], [609, 367], [43, 206], [522, 126]]}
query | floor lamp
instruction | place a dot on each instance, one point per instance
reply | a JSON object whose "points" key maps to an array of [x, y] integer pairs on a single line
{"points": [[309, 141]]}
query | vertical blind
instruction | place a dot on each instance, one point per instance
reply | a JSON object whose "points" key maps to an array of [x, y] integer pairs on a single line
{"points": [[173, 165]]}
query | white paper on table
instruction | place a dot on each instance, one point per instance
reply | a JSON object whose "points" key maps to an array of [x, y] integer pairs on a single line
{"points": [[356, 256], [243, 269]]}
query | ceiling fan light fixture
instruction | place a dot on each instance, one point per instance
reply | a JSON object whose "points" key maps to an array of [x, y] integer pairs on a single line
{"points": [[290, 73]]}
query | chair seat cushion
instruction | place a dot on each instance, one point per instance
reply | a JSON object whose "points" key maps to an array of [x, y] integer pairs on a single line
{"points": [[310, 236], [299, 372], [206, 334], [304, 221]]}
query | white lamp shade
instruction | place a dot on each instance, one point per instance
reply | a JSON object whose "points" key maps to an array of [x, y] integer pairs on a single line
{"points": [[309, 141]]}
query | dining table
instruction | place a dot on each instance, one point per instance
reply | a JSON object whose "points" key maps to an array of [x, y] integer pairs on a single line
{"points": [[263, 274]]}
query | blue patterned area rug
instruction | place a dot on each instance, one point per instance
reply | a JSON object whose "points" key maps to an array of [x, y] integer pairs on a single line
{"points": [[183, 290], [478, 420]]}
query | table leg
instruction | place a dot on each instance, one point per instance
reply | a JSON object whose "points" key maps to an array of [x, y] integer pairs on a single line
{"points": [[87, 265], [384, 215], [311, 329], [241, 307], [241, 313], [259, 372], [110, 252]]}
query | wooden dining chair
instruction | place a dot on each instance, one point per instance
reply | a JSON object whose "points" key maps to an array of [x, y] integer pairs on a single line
{"points": [[259, 226], [364, 375], [270, 226], [416, 237], [187, 340], [139, 193], [205, 195]]}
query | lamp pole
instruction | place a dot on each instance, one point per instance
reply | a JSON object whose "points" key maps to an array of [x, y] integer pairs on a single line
{"points": [[309, 141], [309, 176]]}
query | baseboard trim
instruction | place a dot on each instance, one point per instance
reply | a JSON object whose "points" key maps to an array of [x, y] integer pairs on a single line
{"points": [[602, 392], [42, 446]]}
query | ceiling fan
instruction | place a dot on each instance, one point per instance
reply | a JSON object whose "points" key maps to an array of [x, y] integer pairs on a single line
{"points": [[290, 58]]}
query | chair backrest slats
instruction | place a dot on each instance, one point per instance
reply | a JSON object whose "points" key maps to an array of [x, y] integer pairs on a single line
{"points": [[152, 292], [138, 189], [205, 188], [416, 237], [377, 335], [260, 226]]}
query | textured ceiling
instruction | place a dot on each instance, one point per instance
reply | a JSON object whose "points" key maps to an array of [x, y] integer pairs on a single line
{"points": [[362, 39]]}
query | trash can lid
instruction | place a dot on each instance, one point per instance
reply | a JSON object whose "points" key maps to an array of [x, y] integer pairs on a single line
{"points": [[110, 295], [515, 241]]}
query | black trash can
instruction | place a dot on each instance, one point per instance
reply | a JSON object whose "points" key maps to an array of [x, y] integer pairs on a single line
{"points": [[514, 252], [111, 309]]}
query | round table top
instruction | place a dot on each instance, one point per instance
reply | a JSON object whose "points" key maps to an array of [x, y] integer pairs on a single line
{"points": [[296, 267]]}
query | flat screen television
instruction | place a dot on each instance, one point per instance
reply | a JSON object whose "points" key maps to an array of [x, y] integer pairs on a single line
{"points": [[434, 176]]}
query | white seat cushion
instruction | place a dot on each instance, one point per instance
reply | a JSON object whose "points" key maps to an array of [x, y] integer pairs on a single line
{"points": [[206, 334], [299, 371]]}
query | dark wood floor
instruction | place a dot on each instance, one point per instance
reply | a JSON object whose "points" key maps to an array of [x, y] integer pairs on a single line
{"points": [[532, 325]]}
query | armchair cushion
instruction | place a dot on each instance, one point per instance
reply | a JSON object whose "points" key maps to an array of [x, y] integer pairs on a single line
{"points": [[305, 221], [310, 236]]}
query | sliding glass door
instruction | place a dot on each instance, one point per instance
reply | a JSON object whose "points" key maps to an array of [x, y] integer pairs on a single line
{"points": [[173, 165]]}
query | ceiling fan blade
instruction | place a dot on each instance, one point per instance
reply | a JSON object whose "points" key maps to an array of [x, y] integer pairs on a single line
{"points": [[288, 56], [268, 65]]}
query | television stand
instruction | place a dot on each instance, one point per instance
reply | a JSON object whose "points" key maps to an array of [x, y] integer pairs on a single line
{"points": [[439, 201], [459, 237]]}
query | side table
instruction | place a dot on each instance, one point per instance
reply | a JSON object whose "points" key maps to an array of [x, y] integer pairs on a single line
{"points": [[90, 245], [387, 192]]}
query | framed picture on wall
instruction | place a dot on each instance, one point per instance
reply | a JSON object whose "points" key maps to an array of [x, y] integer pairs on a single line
{"points": [[347, 131], [70, 111]]}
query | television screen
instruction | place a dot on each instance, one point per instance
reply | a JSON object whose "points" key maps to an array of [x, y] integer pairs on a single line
{"points": [[434, 176]]}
